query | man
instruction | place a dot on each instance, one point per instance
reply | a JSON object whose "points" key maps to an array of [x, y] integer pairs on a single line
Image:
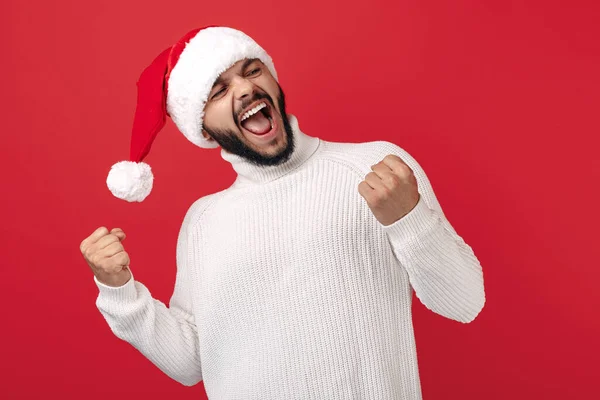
{"points": [[296, 281]]}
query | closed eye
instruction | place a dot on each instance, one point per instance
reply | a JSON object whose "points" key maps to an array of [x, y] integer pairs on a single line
{"points": [[251, 73], [217, 93]]}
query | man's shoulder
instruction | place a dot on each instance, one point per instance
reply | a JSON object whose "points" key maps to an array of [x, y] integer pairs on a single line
{"points": [[199, 207], [361, 155]]}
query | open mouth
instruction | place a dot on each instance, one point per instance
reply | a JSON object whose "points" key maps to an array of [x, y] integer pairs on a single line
{"points": [[258, 120]]}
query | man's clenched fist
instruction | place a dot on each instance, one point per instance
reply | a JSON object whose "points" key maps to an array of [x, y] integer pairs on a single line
{"points": [[107, 257], [391, 190]]}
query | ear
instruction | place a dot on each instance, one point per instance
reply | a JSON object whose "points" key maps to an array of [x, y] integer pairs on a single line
{"points": [[207, 136]]}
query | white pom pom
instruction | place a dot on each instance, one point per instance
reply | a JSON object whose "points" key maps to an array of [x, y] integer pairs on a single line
{"points": [[129, 180]]}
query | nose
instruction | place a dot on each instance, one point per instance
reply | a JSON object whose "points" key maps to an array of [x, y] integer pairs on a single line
{"points": [[242, 88]]}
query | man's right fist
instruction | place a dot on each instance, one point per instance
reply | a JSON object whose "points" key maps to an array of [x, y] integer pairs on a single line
{"points": [[105, 254]]}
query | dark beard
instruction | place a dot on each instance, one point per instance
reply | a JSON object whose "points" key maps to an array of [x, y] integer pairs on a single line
{"points": [[230, 142]]}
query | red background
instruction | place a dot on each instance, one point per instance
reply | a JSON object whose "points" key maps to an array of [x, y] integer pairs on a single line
{"points": [[497, 100]]}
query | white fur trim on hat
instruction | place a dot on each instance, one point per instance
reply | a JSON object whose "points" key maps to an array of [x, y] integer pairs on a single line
{"points": [[207, 55]]}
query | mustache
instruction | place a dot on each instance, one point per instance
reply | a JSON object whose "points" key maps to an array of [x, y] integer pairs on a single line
{"points": [[247, 102]]}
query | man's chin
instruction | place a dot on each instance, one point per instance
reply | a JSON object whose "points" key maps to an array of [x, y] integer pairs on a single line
{"points": [[272, 148]]}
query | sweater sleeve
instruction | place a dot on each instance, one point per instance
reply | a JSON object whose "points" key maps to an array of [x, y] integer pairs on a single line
{"points": [[167, 336], [443, 270]]}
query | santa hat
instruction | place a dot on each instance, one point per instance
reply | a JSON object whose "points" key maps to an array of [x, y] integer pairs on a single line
{"points": [[177, 84]]}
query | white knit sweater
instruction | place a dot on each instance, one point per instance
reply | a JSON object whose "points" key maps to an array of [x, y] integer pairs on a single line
{"points": [[287, 287]]}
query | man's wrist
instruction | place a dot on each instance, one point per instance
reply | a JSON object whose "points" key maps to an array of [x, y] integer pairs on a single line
{"points": [[114, 280]]}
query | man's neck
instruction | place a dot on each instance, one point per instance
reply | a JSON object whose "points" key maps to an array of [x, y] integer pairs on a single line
{"points": [[249, 173]]}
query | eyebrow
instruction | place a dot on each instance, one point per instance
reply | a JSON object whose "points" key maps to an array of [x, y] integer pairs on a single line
{"points": [[221, 81]]}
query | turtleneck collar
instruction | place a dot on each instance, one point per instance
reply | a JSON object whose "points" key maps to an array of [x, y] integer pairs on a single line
{"points": [[305, 147]]}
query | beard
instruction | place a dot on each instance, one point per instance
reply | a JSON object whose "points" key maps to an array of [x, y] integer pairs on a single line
{"points": [[230, 142]]}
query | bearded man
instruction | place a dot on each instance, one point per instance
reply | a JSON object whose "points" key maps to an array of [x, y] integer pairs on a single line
{"points": [[296, 281]]}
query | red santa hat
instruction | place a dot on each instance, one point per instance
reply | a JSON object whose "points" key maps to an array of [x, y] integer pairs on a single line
{"points": [[177, 84]]}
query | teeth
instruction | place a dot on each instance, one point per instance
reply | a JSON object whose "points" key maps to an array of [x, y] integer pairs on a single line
{"points": [[250, 113]]}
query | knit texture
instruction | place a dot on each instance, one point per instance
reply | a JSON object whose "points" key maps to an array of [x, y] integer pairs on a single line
{"points": [[287, 287]]}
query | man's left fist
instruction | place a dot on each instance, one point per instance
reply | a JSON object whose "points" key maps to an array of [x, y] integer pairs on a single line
{"points": [[390, 190]]}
